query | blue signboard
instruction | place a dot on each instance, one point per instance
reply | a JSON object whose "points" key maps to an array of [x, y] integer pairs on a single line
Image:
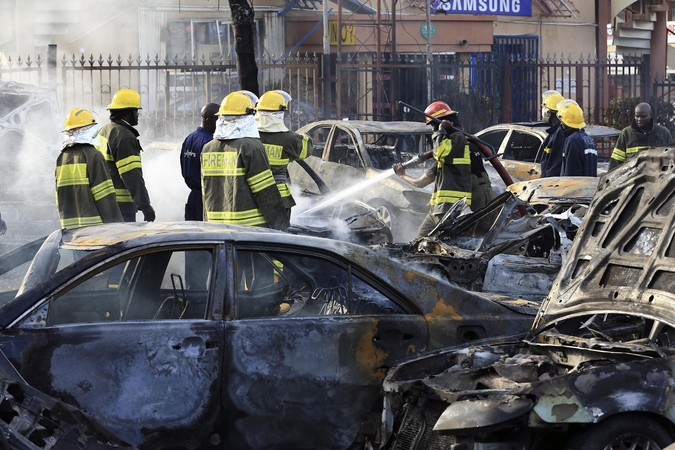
{"points": [[496, 7]]}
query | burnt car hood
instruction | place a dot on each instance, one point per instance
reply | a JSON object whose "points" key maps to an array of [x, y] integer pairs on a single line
{"points": [[555, 190], [623, 258]]}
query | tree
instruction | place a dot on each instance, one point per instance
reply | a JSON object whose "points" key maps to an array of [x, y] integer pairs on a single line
{"points": [[243, 18]]}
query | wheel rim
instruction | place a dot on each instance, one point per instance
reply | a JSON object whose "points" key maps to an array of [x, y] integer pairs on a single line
{"points": [[384, 215], [633, 443]]}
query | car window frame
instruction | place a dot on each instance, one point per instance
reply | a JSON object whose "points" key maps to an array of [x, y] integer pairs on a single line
{"points": [[213, 306], [372, 280]]}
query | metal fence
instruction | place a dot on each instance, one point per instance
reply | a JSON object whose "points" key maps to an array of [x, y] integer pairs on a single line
{"points": [[487, 88], [173, 91]]}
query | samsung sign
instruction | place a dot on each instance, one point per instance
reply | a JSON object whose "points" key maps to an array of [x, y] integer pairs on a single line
{"points": [[498, 7]]}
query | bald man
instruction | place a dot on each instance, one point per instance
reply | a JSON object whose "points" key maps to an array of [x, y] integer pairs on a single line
{"points": [[190, 160], [641, 134]]}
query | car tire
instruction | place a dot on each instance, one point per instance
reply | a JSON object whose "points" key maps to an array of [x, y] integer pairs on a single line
{"points": [[387, 213], [633, 431]]}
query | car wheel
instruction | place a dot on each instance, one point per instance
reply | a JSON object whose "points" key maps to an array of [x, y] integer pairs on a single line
{"points": [[386, 213], [627, 431]]}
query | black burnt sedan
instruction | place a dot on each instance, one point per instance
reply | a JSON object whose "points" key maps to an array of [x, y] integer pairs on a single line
{"points": [[196, 334]]}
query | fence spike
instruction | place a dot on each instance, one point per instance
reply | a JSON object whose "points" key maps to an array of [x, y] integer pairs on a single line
{"points": [[91, 60], [139, 59], [110, 59], [18, 61], [28, 61], [119, 59], [130, 60], [38, 60]]}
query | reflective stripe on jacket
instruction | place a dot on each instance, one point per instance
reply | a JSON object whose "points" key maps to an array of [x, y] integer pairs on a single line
{"points": [[281, 149], [238, 186], [84, 191], [632, 140], [452, 172], [118, 142]]}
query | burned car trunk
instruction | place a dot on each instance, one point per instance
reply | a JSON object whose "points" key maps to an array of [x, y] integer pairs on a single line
{"points": [[598, 368]]}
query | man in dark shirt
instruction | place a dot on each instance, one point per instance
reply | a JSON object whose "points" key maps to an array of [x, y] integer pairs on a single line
{"points": [[642, 133], [190, 160]]}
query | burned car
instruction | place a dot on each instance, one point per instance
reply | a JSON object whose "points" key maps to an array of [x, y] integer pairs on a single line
{"points": [[520, 145], [595, 372], [349, 152], [190, 333], [534, 224]]}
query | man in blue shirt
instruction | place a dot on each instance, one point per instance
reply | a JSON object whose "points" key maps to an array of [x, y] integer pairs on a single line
{"points": [[190, 160], [580, 157]]}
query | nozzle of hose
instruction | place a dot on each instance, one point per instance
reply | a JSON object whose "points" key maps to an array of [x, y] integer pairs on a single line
{"points": [[419, 159]]}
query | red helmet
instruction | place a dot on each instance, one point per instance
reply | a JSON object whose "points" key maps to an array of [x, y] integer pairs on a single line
{"points": [[437, 110]]}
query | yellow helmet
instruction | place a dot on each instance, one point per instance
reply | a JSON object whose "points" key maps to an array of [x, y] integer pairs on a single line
{"points": [[567, 101], [272, 101], [78, 118], [254, 98], [572, 116], [551, 99], [125, 99], [236, 104]]}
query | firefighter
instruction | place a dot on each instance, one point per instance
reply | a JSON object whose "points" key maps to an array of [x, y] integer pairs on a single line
{"points": [[190, 160], [237, 184], [452, 173], [580, 157], [281, 144], [551, 159], [642, 133], [118, 141], [84, 191]]}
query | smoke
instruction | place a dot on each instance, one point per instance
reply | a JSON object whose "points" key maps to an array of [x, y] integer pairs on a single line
{"points": [[166, 187]]}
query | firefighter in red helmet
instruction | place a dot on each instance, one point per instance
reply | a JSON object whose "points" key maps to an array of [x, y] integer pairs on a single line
{"points": [[458, 173]]}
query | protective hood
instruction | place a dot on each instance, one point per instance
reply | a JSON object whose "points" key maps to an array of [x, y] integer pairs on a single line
{"points": [[235, 127], [623, 257], [82, 135], [270, 121]]}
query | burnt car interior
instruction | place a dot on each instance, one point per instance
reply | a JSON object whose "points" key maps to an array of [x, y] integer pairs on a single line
{"points": [[287, 284], [155, 286]]}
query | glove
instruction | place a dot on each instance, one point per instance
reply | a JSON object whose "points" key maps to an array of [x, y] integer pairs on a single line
{"points": [[148, 213], [447, 125], [399, 169]]}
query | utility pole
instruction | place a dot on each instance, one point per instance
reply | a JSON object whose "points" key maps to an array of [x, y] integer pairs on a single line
{"points": [[429, 83], [326, 63]]}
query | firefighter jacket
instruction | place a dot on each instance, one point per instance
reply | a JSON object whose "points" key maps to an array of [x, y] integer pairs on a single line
{"points": [[118, 141], [190, 165], [632, 139], [238, 186], [551, 160], [580, 158], [281, 149], [84, 191], [452, 172]]}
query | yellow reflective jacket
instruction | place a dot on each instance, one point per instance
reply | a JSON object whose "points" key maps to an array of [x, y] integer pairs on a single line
{"points": [[238, 186], [84, 191], [118, 142]]}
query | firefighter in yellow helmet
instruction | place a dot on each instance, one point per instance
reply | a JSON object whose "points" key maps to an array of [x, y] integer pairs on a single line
{"points": [[84, 191], [118, 141], [237, 184], [579, 156], [281, 144], [551, 159]]}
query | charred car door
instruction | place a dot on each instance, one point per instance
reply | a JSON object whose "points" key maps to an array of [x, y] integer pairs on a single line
{"points": [[308, 346], [130, 342]]}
